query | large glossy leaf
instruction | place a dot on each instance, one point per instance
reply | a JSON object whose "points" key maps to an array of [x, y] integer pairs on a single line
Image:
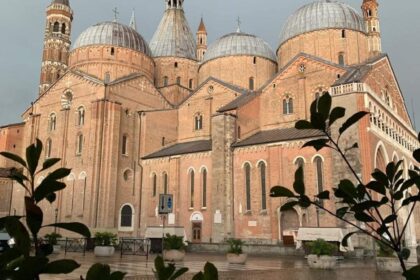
{"points": [[366, 205], [390, 219], [34, 216], [46, 188], [410, 200], [281, 192], [117, 275], [363, 217], [317, 144], [58, 174], [405, 253], [304, 201], [348, 189], [413, 273], [416, 155], [346, 238], [18, 231], [299, 187], [324, 105], [377, 187], [98, 272], [31, 267], [381, 177], [61, 267], [49, 163], [303, 125], [318, 121], [324, 195], [288, 206], [352, 120], [33, 153], [336, 114], [74, 227], [14, 157]]}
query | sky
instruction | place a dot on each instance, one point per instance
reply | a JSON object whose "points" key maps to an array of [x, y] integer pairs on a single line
{"points": [[22, 27]]}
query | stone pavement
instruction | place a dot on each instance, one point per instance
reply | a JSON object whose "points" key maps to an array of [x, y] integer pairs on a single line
{"points": [[266, 268]]}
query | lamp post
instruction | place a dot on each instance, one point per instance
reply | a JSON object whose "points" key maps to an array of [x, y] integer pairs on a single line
{"points": [[56, 218]]}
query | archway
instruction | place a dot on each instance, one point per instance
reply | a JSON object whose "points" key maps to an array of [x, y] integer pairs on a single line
{"points": [[289, 225]]}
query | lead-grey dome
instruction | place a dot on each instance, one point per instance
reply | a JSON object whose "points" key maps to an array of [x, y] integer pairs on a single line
{"points": [[324, 14], [113, 34], [239, 43]]}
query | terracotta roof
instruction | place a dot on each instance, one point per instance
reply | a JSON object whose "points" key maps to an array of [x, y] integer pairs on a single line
{"points": [[182, 149], [238, 102], [202, 27], [277, 135]]}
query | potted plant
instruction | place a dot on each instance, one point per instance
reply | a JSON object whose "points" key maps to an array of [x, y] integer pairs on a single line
{"points": [[321, 255], [173, 248], [386, 259], [235, 254], [104, 244], [52, 239]]}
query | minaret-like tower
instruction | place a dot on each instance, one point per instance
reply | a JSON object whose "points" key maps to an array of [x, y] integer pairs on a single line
{"points": [[56, 43], [371, 14], [201, 41]]}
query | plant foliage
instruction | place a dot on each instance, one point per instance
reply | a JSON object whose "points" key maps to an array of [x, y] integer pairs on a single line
{"points": [[173, 242], [235, 246], [363, 202], [107, 239], [320, 247], [52, 238]]}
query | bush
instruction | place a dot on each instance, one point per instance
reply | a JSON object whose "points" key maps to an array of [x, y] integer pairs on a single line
{"points": [[320, 247], [105, 239], [52, 238], [235, 246], [173, 242]]}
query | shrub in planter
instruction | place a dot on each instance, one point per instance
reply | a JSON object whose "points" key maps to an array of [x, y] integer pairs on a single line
{"points": [[235, 254], [386, 259], [52, 239], [173, 248], [104, 244], [321, 255]]}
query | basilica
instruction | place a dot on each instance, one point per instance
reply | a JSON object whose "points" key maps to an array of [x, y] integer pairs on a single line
{"points": [[211, 123]]}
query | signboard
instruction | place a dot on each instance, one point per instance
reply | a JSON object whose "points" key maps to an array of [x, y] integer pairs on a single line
{"points": [[166, 203]]}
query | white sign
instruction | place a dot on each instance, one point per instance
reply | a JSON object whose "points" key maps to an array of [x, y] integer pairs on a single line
{"points": [[217, 217], [166, 203]]}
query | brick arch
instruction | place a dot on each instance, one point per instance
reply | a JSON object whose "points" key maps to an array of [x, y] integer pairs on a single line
{"points": [[381, 157]]}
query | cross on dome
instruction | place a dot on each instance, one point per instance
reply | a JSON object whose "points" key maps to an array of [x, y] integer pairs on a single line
{"points": [[116, 13], [239, 22]]}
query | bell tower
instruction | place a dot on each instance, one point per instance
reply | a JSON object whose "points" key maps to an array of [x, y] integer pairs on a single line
{"points": [[56, 43], [370, 10], [201, 41]]}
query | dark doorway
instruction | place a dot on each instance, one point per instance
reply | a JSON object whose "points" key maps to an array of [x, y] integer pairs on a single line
{"points": [[196, 232]]}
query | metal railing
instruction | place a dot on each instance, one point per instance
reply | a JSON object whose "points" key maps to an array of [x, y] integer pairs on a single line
{"points": [[135, 247], [76, 245]]}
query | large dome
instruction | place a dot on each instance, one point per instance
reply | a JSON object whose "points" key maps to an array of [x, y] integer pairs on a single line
{"points": [[239, 43], [323, 14], [113, 34]]}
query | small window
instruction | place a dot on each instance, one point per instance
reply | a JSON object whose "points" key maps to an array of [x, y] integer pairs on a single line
{"points": [[80, 116], [255, 60], [126, 216], [341, 59], [165, 183], [112, 51], [262, 167], [176, 64], [198, 122], [288, 106], [52, 125], [239, 132], [154, 185], [201, 41], [125, 145], [56, 27], [204, 191], [165, 81], [190, 84], [319, 175], [48, 148], [369, 12], [192, 189], [178, 80], [63, 28], [248, 186], [251, 83], [163, 141], [343, 33], [79, 144]]}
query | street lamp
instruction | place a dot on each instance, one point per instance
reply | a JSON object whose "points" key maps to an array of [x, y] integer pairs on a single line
{"points": [[56, 218]]}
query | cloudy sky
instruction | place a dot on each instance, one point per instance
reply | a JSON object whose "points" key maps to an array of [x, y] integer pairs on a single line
{"points": [[22, 27]]}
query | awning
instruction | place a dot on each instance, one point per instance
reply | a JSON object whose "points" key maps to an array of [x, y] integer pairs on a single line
{"points": [[328, 234]]}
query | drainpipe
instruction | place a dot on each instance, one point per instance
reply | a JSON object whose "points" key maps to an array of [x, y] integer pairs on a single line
{"points": [[141, 168]]}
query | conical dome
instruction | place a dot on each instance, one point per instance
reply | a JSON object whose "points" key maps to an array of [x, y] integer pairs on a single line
{"points": [[173, 37]]}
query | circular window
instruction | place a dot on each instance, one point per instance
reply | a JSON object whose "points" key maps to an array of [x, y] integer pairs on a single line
{"points": [[66, 100], [210, 89]]}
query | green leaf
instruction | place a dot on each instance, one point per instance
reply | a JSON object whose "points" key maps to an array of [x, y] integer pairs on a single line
{"points": [[390, 219], [381, 177], [180, 272], [366, 205], [46, 188], [74, 227], [413, 273], [341, 212], [405, 253], [31, 267], [352, 120], [324, 195], [324, 105], [61, 267], [416, 155], [304, 201], [318, 121], [363, 217], [410, 200], [336, 114], [299, 187], [288, 206], [34, 216], [348, 189], [198, 276], [49, 163], [117, 275], [58, 174], [210, 272], [98, 272], [303, 125], [18, 231], [33, 153], [377, 187], [318, 144], [51, 197], [390, 170], [14, 157], [345, 240], [278, 191]]}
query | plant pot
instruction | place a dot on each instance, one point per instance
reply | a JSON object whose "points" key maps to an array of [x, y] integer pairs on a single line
{"points": [[56, 249], [173, 255], [104, 251], [388, 264], [322, 262], [236, 259]]}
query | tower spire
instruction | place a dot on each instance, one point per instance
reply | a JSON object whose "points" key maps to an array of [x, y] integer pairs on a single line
{"points": [[133, 23], [239, 22], [56, 43], [370, 10], [201, 40]]}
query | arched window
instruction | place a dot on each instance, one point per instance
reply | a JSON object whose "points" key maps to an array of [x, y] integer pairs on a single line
{"points": [[154, 185], [300, 162], [112, 51], [56, 27], [165, 183], [176, 65], [178, 80], [192, 175], [262, 169], [288, 106], [319, 175], [48, 148], [343, 33], [239, 132], [341, 59], [165, 81], [163, 141], [124, 148], [251, 83], [247, 168], [126, 217], [52, 123], [79, 144], [63, 28], [107, 77], [80, 116], [204, 186], [190, 84], [198, 122], [255, 60]]}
